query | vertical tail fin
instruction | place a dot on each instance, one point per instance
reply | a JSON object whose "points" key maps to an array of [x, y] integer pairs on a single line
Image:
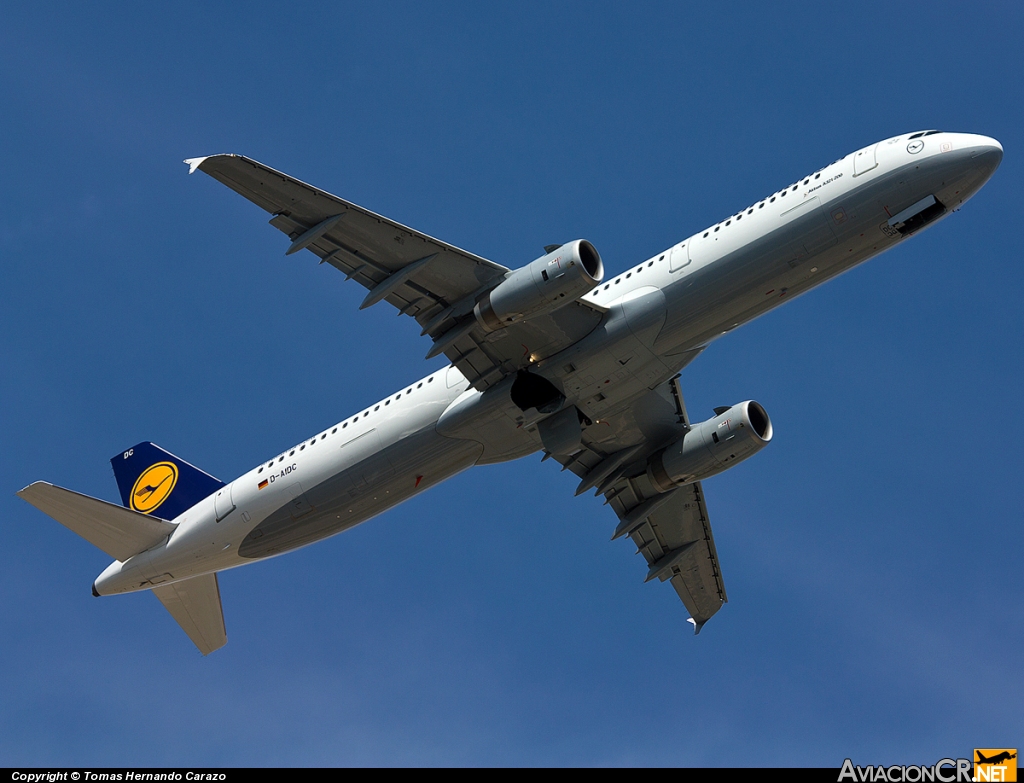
{"points": [[154, 481]]}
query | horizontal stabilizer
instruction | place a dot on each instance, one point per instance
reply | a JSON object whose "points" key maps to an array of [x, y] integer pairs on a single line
{"points": [[195, 605], [120, 532]]}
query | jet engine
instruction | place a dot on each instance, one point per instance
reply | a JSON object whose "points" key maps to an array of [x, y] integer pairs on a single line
{"points": [[544, 285], [712, 446]]}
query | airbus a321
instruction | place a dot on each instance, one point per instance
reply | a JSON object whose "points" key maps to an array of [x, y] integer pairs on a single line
{"points": [[548, 357]]}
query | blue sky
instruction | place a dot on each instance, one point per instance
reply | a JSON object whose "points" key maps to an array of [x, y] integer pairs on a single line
{"points": [[871, 555]]}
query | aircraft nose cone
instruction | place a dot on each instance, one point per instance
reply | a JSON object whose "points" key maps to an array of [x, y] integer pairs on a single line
{"points": [[987, 155]]}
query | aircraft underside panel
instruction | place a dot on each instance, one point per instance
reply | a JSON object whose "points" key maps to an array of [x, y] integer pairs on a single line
{"points": [[361, 492]]}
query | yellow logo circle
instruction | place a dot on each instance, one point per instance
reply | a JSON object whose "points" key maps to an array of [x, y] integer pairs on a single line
{"points": [[154, 486]]}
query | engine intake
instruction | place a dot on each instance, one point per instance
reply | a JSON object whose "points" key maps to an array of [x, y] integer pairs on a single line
{"points": [[542, 286], [711, 447]]}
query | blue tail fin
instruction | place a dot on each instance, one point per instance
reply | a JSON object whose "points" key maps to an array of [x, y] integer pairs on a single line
{"points": [[156, 482]]}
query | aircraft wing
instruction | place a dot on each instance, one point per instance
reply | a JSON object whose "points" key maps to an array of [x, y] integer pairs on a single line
{"points": [[671, 530], [434, 282], [677, 543]]}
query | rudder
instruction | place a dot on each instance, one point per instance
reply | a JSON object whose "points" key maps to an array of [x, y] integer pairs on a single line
{"points": [[153, 481]]}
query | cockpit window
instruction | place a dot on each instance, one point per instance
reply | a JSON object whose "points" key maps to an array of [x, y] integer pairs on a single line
{"points": [[925, 133], [932, 133]]}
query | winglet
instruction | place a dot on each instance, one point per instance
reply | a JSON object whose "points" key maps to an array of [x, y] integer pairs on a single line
{"points": [[696, 626], [194, 163]]}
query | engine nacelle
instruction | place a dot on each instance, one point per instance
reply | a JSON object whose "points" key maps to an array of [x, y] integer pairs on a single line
{"points": [[544, 285], [711, 447]]}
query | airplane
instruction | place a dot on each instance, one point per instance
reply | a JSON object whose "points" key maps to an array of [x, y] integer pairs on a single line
{"points": [[996, 759], [548, 357]]}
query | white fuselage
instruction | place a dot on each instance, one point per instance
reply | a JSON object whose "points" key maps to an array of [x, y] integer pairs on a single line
{"points": [[661, 314]]}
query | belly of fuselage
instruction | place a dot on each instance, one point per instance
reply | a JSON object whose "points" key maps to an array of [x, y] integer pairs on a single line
{"points": [[360, 492]]}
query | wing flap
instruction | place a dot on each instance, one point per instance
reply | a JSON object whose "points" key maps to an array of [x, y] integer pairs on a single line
{"points": [[118, 531], [195, 605]]}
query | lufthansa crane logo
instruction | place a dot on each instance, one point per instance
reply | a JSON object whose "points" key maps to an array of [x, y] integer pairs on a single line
{"points": [[154, 486]]}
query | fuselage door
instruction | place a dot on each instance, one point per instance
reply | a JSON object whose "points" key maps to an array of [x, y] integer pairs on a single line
{"points": [[222, 503], [864, 160], [679, 258]]}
